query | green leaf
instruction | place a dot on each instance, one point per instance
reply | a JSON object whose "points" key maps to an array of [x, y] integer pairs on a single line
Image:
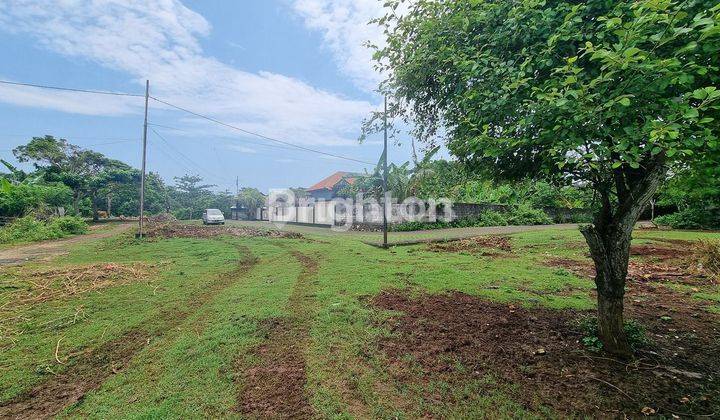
{"points": [[624, 101]]}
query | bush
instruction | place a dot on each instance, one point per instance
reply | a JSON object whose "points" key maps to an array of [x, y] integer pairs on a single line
{"points": [[690, 218], [526, 215], [69, 225], [29, 229], [23, 198], [493, 218]]}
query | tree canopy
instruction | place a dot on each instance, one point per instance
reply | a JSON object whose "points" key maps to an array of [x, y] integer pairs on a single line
{"points": [[609, 94]]}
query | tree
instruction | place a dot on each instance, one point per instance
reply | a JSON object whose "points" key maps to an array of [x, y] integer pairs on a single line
{"points": [[84, 171], [251, 198], [606, 93], [191, 197]]}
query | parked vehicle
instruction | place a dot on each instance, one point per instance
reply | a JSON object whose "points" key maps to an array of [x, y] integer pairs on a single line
{"points": [[213, 217]]}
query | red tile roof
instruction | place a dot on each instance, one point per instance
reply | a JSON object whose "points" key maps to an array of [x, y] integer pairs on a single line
{"points": [[330, 182]]}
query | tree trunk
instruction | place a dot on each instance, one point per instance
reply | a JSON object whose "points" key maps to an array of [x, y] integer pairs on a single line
{"points": [[93, 201], [610, 250], [76, 203], [609, 240]]}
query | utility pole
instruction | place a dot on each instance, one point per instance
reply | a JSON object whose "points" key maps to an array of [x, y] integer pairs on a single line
{"points": [[144, 152], [384, 184], [237, 198]]}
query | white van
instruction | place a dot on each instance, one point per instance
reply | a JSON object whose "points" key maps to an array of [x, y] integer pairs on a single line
{"points": [[213, 216]]}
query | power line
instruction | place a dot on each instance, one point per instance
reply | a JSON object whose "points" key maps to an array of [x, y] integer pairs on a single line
{"points": [[212, 175], [98, 92], [258, 134], [89, 145], [69, 137], [262, 144], [216, 121]]}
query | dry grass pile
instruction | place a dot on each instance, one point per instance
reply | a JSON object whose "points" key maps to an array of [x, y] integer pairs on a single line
{"points": [[44, 285], [184, 230], [162, 218], [483, 245], [25, 289], [708, 252]]}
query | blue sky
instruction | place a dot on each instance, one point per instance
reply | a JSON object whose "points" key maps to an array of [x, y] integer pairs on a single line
{"points": [[295, 70]]}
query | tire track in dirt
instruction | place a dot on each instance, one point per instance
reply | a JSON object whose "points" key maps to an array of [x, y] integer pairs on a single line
{"points": [[275, 387], [90, 371]]}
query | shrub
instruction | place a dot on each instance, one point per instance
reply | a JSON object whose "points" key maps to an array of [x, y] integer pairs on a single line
{"points": [[69, 225], [685, 219], [526, 215], [29, 229], [493, 218]]}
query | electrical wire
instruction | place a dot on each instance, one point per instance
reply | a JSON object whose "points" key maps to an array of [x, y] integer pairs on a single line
{"points": [[254, 143], [211, 174], [216, 121], [99, 92]]}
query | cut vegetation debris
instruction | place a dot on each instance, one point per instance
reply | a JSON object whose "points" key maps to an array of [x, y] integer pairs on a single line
{"points": [[484, 245], [683, 263], [43, 285], [184, 230]]}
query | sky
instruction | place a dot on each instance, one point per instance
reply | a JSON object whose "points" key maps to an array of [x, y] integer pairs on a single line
{"points": [[293, 70]]}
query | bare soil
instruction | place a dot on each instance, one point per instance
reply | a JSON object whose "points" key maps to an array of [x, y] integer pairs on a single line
{"points": [[275, 386], [184, 230], [45, 250], [483, 245], [89, 368], [538, 351]]}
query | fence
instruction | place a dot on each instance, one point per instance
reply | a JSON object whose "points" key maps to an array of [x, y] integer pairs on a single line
{"points": [[329, 213]]}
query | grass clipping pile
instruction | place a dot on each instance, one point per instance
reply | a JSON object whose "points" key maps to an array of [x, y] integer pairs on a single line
{"points": [[44, 285], [482, 245], [175, 229]]}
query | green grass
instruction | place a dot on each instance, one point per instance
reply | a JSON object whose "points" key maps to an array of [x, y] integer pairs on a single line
{"points": [[191, 368]]}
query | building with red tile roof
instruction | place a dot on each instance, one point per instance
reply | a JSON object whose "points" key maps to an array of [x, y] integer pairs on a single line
{"points": [[328, 188]]}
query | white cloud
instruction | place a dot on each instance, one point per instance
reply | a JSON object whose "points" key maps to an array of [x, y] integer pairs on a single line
{"points": [[78, 103], [159, 40], [346, 30], [241, 149]]}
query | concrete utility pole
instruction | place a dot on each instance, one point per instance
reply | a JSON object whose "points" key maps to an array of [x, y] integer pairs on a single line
{"points": [[237, 198], [144, 152], [385, 151]]}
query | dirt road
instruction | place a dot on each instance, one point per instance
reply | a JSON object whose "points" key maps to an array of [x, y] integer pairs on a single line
{"points": [[19, 255]]}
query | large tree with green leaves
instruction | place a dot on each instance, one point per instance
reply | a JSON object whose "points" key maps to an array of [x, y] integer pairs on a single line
{"points": [[606, 93]]}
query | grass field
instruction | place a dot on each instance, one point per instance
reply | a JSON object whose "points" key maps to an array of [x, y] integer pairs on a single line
{"points": [[325, 325]]}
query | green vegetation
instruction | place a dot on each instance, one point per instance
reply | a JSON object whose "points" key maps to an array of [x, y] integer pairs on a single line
{"points": [[86, 183], [29, 229], [196, 310], [520, 215], [636, 334], [610, 95]]}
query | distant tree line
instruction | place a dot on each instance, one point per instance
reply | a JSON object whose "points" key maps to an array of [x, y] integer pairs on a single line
{"points": [[87, 183]]}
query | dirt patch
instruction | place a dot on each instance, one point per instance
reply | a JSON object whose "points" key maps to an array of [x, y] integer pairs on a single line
{"points": [[483, 245], [538, 350], [682, 250], [89, 368], [641, 271], [275, 386], [184, 230], [18, 255]]}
